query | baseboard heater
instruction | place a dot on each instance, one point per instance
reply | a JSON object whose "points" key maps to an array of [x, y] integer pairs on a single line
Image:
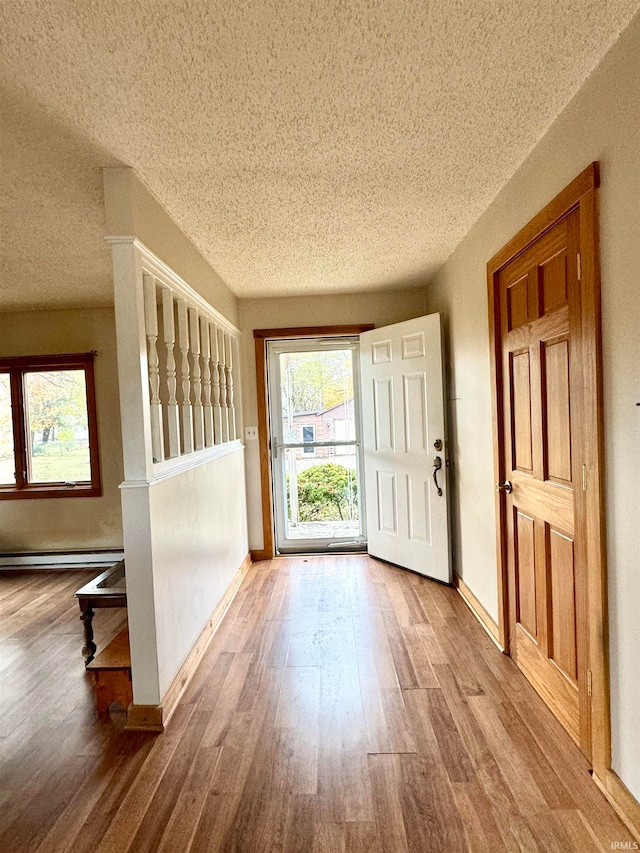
{"points": [[61, 559]]}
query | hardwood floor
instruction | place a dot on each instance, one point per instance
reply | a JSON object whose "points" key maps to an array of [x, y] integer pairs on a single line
{"points": [[344, 705]]}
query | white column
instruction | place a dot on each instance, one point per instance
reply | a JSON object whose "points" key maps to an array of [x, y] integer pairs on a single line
{"points": [[205, 349], [173, 425], [196, 375], [224, 402], [151, 329], [135, 413], [228, 360], [215, 383], [133, 372], [186, 421]]}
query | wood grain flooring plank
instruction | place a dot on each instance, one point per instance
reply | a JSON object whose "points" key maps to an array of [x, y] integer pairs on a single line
{"points": [[385, 784], [405, 672], [478, 821], [186, 812], [122, 829], [362, 837], [455, 757], [514, 770], [329, 838], [431, 820]]}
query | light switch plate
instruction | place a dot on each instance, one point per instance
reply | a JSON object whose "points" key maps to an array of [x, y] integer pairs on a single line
{"points": [[251, 433]]}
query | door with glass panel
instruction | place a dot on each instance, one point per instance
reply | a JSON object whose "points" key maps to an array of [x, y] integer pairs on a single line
{"points": [[314, 414]]}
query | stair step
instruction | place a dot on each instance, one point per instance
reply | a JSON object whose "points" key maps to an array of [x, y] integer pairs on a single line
{"points": [[112, 674]]}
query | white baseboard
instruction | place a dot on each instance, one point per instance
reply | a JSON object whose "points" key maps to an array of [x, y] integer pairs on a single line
{"points": [[61, 560]]}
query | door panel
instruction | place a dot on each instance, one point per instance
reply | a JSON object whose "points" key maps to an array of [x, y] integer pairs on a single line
{"points": [[414, 394], [383, 413], [562, 630], [419, 501], [387, 501], [540, 328], [525, 567], [521, 405], [403, 432], [557, 395]]}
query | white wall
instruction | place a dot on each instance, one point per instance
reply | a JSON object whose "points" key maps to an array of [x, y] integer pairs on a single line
{"points": [[67, 524], [185, 539], [601, 123], [285, 312], [132, 211], [199, 524]]}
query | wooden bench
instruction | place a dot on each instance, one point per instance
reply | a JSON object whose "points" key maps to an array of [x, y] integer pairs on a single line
{"points": [[109, 589], [112, 673]]}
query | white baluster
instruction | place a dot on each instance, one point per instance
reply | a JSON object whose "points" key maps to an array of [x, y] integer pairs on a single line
{"points": [[186, 420], [237, 387], [205, 349], [168, 324], [151, 331], [196, 374], [224, 401], [215, 383], [228, 359]]}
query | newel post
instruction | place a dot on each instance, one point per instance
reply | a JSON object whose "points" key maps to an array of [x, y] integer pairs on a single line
{"points": [[133, 366]]}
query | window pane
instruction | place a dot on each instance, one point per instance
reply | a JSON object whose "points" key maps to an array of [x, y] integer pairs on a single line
{"points": [[7, 459], [58, 427], [309, 435], [315, 382]]}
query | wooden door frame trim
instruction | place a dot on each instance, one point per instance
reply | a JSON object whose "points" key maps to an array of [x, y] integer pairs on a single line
{"points": [[580, 194], [261, 336]]}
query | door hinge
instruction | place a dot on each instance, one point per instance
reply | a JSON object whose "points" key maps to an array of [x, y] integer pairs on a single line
{"points": [[579, 266], [584, 478], [589, 682]]}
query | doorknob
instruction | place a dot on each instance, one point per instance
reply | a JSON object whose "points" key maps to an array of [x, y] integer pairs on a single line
{"points": [[506, 486], [437, 465]]}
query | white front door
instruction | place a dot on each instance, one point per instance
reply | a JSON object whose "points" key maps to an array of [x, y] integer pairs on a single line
{"points": [[403, 440]]}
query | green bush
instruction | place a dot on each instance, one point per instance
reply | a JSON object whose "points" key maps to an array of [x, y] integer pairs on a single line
{"points": [[327, 492]]}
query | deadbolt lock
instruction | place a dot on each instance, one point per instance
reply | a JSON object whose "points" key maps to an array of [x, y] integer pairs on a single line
{"points": [[438, 444]]}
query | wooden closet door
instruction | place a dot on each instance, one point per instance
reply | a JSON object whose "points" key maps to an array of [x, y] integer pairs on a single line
{"points": [[540, 310]]}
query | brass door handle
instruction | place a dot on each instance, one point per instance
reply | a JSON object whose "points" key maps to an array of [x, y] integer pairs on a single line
{"points": [[505, 486], [437, 465]]}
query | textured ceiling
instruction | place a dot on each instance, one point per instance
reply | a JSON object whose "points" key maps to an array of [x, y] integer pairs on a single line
{"points": [[304, 147]]}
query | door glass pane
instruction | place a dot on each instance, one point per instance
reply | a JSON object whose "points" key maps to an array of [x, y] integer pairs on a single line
{"points": [[317, 390], [322, 494], [7, 459], [57, 427], [317, 487]]}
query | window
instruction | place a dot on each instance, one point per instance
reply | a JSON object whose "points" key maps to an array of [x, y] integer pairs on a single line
{"points": [[309, 435], [48, 428]]}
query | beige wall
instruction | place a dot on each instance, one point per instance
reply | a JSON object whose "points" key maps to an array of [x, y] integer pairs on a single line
{"points": [[70, 523], [132, 211], [601, 123], [378, 308]]}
